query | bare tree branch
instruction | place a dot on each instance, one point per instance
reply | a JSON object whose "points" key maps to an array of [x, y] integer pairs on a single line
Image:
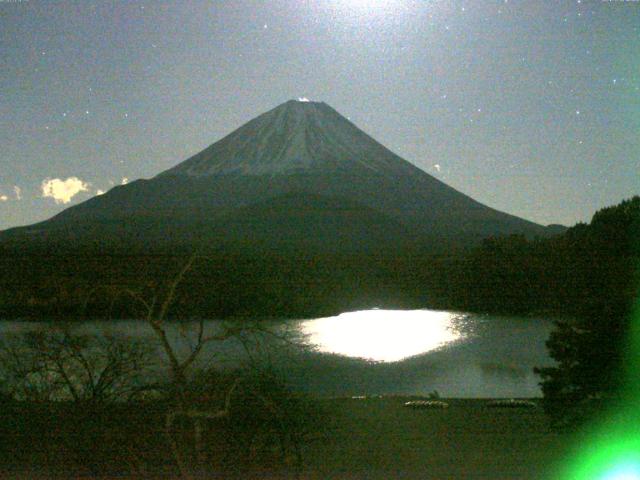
{"points": [[172, 288]]}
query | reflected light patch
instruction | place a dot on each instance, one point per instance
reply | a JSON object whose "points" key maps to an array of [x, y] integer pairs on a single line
{"points": [[382, 335]]}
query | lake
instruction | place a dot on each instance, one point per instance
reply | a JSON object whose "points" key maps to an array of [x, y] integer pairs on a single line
{"points": [[382, 352]]}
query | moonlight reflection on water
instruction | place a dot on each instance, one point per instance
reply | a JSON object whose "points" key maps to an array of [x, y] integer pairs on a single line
{"points": [[383, 335], [414, 352]]}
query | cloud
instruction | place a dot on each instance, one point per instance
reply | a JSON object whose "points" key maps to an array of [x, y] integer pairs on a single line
{"points": [[3, 198], [125, 180], [437, 167], [99, 192], [62, 191], [18, 192]]}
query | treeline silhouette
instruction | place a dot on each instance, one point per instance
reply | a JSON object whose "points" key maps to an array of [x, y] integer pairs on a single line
{"points": [[510, 275], [595, 348], [562, 275]]}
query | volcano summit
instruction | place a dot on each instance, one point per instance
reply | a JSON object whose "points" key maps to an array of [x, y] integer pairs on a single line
{"points": [[296, 137], [298, 174]]}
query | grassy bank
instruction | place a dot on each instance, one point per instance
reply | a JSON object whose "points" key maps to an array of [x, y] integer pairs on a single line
{"points": [[379, 438], [360, 438]]}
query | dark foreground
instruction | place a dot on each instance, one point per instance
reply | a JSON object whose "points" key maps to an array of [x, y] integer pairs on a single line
{"points": [[379, 438], [357, 438]]}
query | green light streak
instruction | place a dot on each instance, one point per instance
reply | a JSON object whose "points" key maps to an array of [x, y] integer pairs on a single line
{"points": [[611, 450]]}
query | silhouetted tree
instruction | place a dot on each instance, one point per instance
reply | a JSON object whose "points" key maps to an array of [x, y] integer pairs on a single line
{"points": [[187, 420], [59, 363], [591, 349]]}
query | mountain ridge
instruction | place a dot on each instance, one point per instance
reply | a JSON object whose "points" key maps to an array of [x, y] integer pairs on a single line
{"points": [[302, 148]]}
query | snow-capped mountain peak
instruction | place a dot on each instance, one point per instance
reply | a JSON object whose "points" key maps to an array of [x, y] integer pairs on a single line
{"points": [[297, 136]]}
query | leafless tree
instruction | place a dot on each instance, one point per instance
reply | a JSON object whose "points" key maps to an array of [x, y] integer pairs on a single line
{"points": [[59, 363], [155, 305]]}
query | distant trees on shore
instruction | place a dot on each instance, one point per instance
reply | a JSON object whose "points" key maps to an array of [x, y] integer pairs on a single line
{"points": [[560, 275], [594, 347]]}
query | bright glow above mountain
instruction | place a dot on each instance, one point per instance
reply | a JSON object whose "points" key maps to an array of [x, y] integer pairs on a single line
{"points": [[363, 11], [372, 6]]}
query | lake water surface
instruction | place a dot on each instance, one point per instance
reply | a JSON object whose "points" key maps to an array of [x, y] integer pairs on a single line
{"points": [[382, 352]]}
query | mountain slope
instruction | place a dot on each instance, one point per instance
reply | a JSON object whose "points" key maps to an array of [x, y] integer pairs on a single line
{"points": [[296, 150]]}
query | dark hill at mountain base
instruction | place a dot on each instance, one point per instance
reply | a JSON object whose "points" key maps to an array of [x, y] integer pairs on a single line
{"points": [[584, 268]]}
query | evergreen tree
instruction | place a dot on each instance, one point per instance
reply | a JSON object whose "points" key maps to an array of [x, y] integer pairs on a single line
{"points": [[590, 349]]}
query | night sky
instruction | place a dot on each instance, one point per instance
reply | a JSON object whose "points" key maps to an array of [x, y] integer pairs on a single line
{"points": [[531, 107]]}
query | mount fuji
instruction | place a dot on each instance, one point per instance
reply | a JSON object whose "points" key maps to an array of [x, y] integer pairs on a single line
{"points": [[298, 174]]}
